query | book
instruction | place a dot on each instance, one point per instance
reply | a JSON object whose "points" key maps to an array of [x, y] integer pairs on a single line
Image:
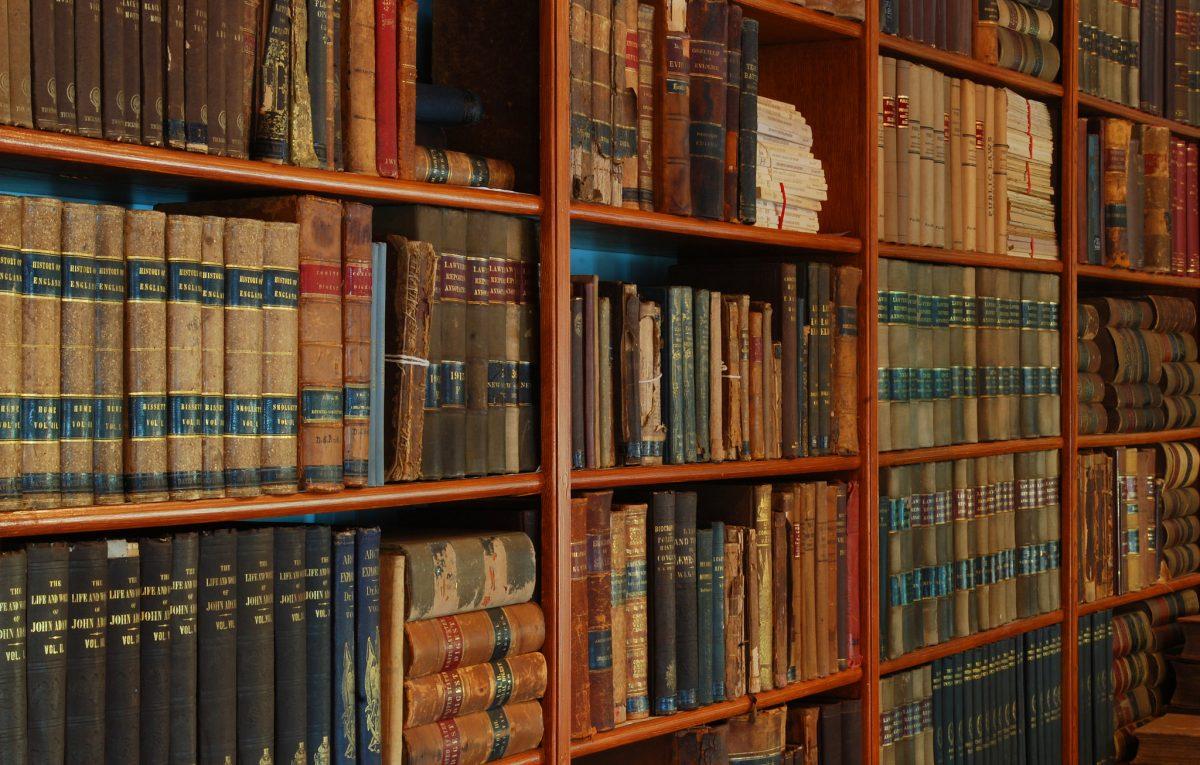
{"points": [[146, 463], [291, 634], [501, 633], [87, 610], [244, 239], [255, 681], [13, 661], [154, 671], [662, 549], [368, 689], [184, 361], [476, 738], [391, 658], [707, 73], [501, 567], [212, 363], [278, 473], [122, 679], [344, 743], [76, 430], [318, 634], [581, 716]]}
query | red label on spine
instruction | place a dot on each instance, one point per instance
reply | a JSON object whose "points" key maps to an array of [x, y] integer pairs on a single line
{"points": [[320, 279], [357, 282], [452, 637], [455, 692], [451, 741]]}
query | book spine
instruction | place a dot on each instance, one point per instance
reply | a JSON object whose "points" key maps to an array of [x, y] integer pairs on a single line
{"points": [[701, 321], [385, 87], [733, 102], [318, 555], [662, 602], [278, 471], [77, 339], [218, 68], [122, 681], [637, 701], [153, 58], [45, 647], [367, 679], [673, 192], [86, 618], [64, 64], [243, 356], [735, 621], [476, 738], [89, 121], [182, 689], [779, 593], [146, 464], [457, 168], [581, 716], [184, 361], [717, 617], [601, 112], [356, 345], [290, 633], [748, 124], [406, 90], [108, 351], [708, 69], [501, 338], [757, 443], [527, 291], [416, 264], [688, 376], [216, 646], [345, 739], [704, 615], [1115, 145], [11, 351], [174, 98], [272, 108], [239, 80], [42, 64], [212, 353], [391, 648], [599, 607], [20, 63], [255, 676], [474, 689], [686, 636], [359, 93], [41, 363], [751, 646], [625, 111], [580, 56], [13, 658], [844, 436], [478, 293], [645, 105], [154, 692], [673, 364], [195, 67], [311, 103]]}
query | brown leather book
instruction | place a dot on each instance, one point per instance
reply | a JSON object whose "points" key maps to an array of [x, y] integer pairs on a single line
{"points": [[501, 339], [478, 636], [476, 738], [782, 503], [708, 69], [580, 58], [109, 353], [733, 111], [636, 649], [239, 75], [456, 168], [146, 460], [674, 186], [522, 245], [356, 341], [221, 64], [811, 502], [752, 646], [64, 64], [174, 101], [478, 315], [625, 312], [391, 658], [599, 609], [601, 147], [731, 387], [281, 345], [625, 54], [654, 432], [1156, 143], [646, 47], [760, 734], [407, 155], [131, 72], [452, 288], [604, 418], [824, 544], [195, 68], [212, 351], [185, 362], [581, 714], [587, 288], [617, 559], [19, 59], [735, 612], [243, 356], [153, 62], [475, 688], [416, 264], [77, 359], [358, 99], [45, 96], [796, 585], [11, 351], [757, 439], [88, 117], [844, 436]]}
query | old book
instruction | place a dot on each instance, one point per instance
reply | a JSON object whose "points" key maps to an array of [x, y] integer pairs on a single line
{"points": [[219, 68], [410, 316], [673, 188], [716, 381], [521, 242], [290, 634], [686, 637], [503, 337], [184, 360], [625, 55], [645, 105], [844, 425], [11, 351], [601, 112], [618, 558], [195, 67], [662, 602], [122, 716], [356, 327], [580, 91], [76, 360], [599, 608], [500, 567], [244, 240], [782, 503], [406, 91], [476, 738], [475, 688], [650, 344], [756, 390], [391, 657], [20, 62], [280, 293], [318, 621], [581, 715], [474, 442], [41, 337], [212, 357], [64, 64], [45, 648], [1114, 137], [240, 76], [1156, 227], [366, 630], [86, 614], [811, 507], [579, 398], [731, 378], [112, 84], [625, 310], [216, 604], [270, 140], [255, 643], [345, 732], [733, 105], [181, 645], [760, 734], [456, 168], [734, 667], [174, 98], [13, 713], [315, 102], [702, 371], [704, 616], [708, 72], [88, 69], [153, 58], [369, 90]]}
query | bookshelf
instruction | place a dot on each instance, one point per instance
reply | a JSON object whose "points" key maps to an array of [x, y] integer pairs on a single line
{"points": [[795, 40]]}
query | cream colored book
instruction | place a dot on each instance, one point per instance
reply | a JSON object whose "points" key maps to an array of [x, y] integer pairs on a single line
{"points": [[969, 168]]}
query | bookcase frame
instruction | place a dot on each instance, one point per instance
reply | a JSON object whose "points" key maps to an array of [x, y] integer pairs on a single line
{"points": [[120, 166]]}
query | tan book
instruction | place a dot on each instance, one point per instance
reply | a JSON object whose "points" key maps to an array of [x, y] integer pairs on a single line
{"points": [[903, 141], [391, 655], [243, 356], [735, 614], [744, 451], [751, 646], [185, 363], [731, 385], [358, 98], [884, 107], [757, 439], [810, 500], [1000, 169], [617, 557], [985, 237], [654, 432], [970, 166], [929, 130], [941, 138], [78, 339], [888, 172], [356, 341], [954, 167], [108, 444], [914, 109], [11, 351], [212, 351], [281, 347], [716, 381]]}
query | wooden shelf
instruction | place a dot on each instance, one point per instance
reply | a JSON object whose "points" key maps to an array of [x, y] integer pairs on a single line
{"points": [[532, 757], [699, 228], [781, 21], [1153, 591], [608, 478], [963, 451], [958, 645], [72, 520], [1100, 106], [956, 63], [1100, 440], [210, 174], [1137, 277], [966, 258], [652, 727]]}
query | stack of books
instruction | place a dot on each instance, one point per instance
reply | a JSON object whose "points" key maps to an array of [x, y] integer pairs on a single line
{"points": [[1141, 199], [969, 545], [964, 166], [1018, 35], [750, 588], [965, 355], [680, 374], [1001, 702], [1095, 673], [1093, 418], [789, 182]]}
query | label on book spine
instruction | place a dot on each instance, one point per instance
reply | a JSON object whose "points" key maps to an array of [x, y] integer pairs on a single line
{"points": [[279, 416], [243, 287], [319, 405], [280, 288], [186, 282], [78, 277], [243, 415], [212, 284], [147, 281], [11, 266], [501, 730], [357, 402]]}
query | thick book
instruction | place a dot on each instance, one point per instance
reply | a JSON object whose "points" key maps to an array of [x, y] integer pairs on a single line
{"points": [[255, 645], [599, 608], [581, 714], [735, 616], [217, 631], [673, 187], [392, 706], [244, 239], [87, 610], [617, 596], [318, 638], [645, 105], [174, 98], [733, 106], [708, 71], [122, 678], [183, 696], [356, 329], [476, 738], [637, 700], [717, 618], [278, 472], [291, 633], [184, 361], [11, 351], [41, 231], [367, 679], [45, 647], [13, 705], [704, 616], [487, 635], [212, 352], [155, 668], [489, 570], [77, 360], [661, 546], [476, 688], [146, 462], [477, 319], [345, 732], [195, 68]]}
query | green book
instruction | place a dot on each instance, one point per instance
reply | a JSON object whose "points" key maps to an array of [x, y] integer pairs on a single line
{"points": [[704, 615], [700, 353], [689, 373]]}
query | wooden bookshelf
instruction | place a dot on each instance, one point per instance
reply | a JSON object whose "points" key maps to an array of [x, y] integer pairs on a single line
{"points": [[667, 474], [1104, 273], [965, 451], [958, 645], [1137, 439], [962, 258], [965, 66], [1146, 593], [1094, 105]]}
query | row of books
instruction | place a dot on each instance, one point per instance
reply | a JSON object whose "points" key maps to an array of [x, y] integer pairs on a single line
{"points": [[1138, 367], [966, 355], [1000, 702], [946, 26], [969, 545], [1095, 672], [820, 733], [750, 588], [1141, 209], [789, 184], [1144, 56], [1143, 635], [1139, 518], [680, 374], [963, 165]]}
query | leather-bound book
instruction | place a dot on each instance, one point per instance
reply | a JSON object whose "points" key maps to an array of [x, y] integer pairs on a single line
{"points": [[366, 629], [757, 450], [146, 462], [716, 618], [212, 357], [11, 351], [112, 83], [617, 598], [636, 650], [290, 634], [603, 69], [476, 738], [686, 637], [174, 98], [216, 604], [456, 168], [410, 316], [184, 360], [733, 108], [155, 638], [676, 331], [650, 383], [271, 116], [645, 105], [45, 649], [182, 696], [688, 378], [844, 434], [704, 616], [581, 716], [64, 64], [86, 77], [131, 73], [239, 80], [280, 293], [579, 398], [782, 503], [122, 678], [734, 596], [599, 607], [195, 67], [219, 67], [40, 359], [708, 69], [491, 570], [674, 188], [356, 330], [477, 315], [521, 243], [344, 725], [20, 64], [1114, 138], [501, 336], [153, 58], [1156, 227], [318, 635], [732, 380], [811, 503], [701, 745], [243, 356], [255, 676], [475, 688], [757, 735], [580, 58], [369, 90], [313, 97], [406, 89], [391, 659], [662, 602], [78, 336], [625, 108], [86, 619], [625, 311]]}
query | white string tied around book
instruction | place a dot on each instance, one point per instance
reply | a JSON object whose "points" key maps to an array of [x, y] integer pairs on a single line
{"points": [[651, 380], [405, 359]]}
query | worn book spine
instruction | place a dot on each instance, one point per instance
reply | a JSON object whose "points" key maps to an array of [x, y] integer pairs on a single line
{"points": [[406, 89], [625, 110], [748, 124], [662, 603], [20, 87], [391, 660], [212, 354], [78, 337], [122, 648], [219, 48], [502, 338], [478, 294], [687, 658], [637, 700], [146, 462], [87, 578], [182, 601], [645, 105], [617, 558], [195, 68], [174, 98], [704, 616], [456, 168], [708, 70], [184, 235], [11, 351], [41, 27], [476, 738], [41, 362], [366, 29], [243, 356], [45, 648], [108, 358], [673, 190], [781, 502], [599, 607], [688, 377], [273, 93], [255, 674], [356, 330], [601, 145], [318, 623], [733, 105], [13, 658], [88, 118], [278, 472], [312, 110], [155, 667], [153, 62], [413, 307], [522, 246], [701, 368], [239, 80], [475, 688], [717, 616], [64, 64], [751, 645], [580, 58], [345, 739], [581, 715], [492, 570], [757, 402], [216, 685], [735, 619], [844, 437]]}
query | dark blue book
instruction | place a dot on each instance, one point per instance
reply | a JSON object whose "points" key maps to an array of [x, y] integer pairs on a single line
{"points": [[291, 658], [255, 644], [889, 17], [937, 675], [687, 649], [216, 648], [13, 718], [345, 738], [122, 681], [185, 566], [718, 611], [86, 617], [45, 647], [704, 615], [370, 731], [155, 553], [662, 603], [318, 627], [1095, 221]]}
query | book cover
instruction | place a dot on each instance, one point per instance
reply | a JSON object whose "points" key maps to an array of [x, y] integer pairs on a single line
{"points": [[155, 667], [122, 678], [255, 643]]}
